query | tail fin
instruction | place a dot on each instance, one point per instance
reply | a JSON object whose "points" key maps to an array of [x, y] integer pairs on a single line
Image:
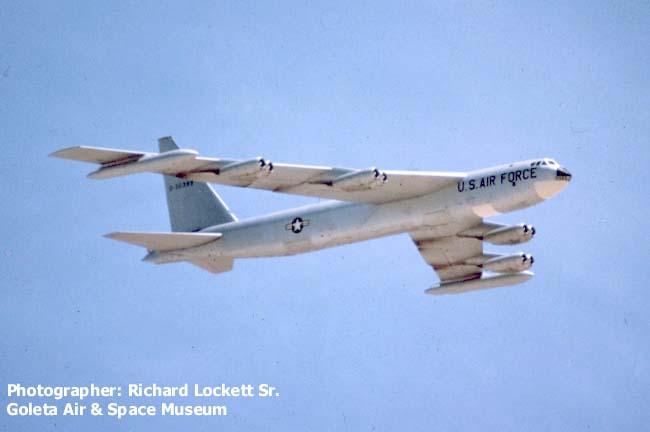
{"points": [[192, 205]]}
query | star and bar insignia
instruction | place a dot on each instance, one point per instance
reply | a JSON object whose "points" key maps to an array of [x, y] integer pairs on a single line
{"points": [[296, 225]]}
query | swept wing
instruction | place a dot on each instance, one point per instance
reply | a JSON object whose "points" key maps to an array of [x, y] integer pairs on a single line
{"points": [[358, 185], [461, 263]]}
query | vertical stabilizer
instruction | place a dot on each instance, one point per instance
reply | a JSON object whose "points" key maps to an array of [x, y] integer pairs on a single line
{"points": [[192, 205]]}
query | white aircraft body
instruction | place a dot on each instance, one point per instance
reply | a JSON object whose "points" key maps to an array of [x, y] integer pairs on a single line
{"points": [[443, 212]]}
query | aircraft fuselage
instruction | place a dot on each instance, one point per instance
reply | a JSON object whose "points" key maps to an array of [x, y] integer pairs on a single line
{"points": [[480, 194], [443, 212]]}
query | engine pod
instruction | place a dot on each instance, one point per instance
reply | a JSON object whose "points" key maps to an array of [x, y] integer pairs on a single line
{"points": [[247, 168], [509, 235], [509, 263], [360, 180]]}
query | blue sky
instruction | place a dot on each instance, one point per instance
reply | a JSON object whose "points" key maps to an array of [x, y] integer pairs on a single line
{"points": [[346, 334]]}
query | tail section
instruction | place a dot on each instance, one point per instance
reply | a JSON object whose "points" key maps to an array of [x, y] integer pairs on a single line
{"points": [[192, 205], [173, 247], [162, 242]]}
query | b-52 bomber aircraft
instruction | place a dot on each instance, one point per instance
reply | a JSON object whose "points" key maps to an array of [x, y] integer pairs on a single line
{"points": [[443, 212]]}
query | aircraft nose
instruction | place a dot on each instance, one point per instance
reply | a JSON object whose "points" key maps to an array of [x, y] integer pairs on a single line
{"points": [[563, 174]]}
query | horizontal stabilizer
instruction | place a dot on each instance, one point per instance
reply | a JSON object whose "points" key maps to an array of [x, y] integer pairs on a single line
{"points": [[162, 242]]}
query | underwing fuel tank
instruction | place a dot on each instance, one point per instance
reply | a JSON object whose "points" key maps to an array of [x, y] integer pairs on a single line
{"points": [[163, 162], [485, 282]]}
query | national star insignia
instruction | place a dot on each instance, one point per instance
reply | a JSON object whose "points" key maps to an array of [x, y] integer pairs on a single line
{"points": [[296, 225]]}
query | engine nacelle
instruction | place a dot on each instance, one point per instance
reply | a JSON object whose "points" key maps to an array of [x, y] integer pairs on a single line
{"points": [[514, 263], [510, 234], [360, 180], [251, 167]]}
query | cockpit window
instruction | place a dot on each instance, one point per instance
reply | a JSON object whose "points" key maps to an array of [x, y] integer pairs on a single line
{"points": [[544, 162]]}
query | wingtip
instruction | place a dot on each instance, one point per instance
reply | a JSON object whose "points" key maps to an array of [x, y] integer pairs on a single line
{"points": [[489, 282], [61, 152]]}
